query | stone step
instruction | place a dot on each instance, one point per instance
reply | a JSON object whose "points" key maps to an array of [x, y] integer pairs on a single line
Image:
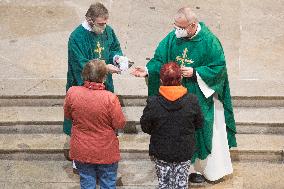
{"points": [[59, 174], [49, 119], [57, 100], [129, 85], [53, 146], [132, 92], [131, 175], [132, 100]]}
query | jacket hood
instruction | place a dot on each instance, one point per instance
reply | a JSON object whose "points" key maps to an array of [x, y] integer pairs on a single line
{"points": [[171, 96], [172, 93]]}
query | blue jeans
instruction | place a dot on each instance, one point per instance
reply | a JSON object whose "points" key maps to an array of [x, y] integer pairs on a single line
{"points": [[106, 174]]}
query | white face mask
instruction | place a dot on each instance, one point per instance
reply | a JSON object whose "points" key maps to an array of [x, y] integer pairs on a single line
{"points": [[180, 32]]}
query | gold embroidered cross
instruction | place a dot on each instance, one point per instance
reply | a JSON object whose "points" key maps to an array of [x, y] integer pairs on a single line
{"points": [[99, 49], [184, 59]]}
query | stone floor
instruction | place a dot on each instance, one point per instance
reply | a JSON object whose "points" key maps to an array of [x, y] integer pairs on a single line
{"points": [[133, 175], [34, 34]]}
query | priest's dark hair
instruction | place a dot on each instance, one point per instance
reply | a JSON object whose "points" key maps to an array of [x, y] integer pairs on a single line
{"points": [[95, 71], [170, 74], [97, 10]]}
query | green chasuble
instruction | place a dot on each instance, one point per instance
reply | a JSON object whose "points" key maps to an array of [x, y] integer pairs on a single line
{"points": [[204, 53], [84, 46]]}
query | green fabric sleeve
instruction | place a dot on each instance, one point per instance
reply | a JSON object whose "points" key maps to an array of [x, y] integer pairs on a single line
{"points": [[76, 61], [67, 126], [161, 57], [214, 72], [114, 47]]}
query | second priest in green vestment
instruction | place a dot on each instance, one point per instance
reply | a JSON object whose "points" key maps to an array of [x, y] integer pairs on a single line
{"points": [[204, 53]]}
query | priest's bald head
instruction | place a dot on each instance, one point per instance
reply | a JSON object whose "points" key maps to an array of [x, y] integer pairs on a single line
{"points": [[97, 17], [186, 22]]}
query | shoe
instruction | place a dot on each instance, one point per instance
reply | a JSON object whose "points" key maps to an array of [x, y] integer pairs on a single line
{"points": [[75, 171], [196, 178], [119, 181]]}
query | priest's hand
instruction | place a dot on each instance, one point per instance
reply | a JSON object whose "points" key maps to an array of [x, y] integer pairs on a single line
{"points": [[139, 71], [113, 69], [186, 71]]}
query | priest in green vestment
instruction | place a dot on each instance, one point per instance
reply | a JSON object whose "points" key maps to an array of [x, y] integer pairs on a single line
{"points": [[93, 39], [199, 53]]}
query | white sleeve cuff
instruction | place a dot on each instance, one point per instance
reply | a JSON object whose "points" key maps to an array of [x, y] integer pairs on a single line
{"points": [[146, 70], [113, 59], [207, 91]]}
